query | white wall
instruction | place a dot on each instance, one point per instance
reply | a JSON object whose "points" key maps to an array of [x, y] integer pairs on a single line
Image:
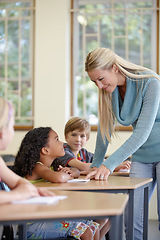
{"points": [[52, 63], [52, 68], [52, 76]]}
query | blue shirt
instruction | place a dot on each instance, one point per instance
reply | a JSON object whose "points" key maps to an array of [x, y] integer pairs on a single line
{"points": [[141, 109], [83, 156]]}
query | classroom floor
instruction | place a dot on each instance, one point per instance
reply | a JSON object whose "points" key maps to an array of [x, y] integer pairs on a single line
{"points": [[153, 232]]}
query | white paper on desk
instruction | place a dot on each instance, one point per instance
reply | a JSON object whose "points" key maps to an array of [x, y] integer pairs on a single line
{"points": [[79, 180], [124, 170], [41, 200]]}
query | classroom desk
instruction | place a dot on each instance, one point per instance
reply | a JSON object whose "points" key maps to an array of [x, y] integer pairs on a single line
{"points": [[120, 174], [77, 205], [114, 184], [10, 164]]}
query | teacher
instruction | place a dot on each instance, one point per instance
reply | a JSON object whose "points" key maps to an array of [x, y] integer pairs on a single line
{"points": [[130, 94]]}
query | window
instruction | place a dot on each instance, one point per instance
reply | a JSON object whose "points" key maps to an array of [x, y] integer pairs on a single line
{"points": [[128, 27], [16, 58]]}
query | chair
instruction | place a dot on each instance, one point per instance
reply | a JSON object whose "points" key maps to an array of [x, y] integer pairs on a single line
{"points": [[9, 160], [8, 157]]}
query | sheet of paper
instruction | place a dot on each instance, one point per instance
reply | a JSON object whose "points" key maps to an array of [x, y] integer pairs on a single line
{"points": [[78, 180], [41, 200], [124, 170]]}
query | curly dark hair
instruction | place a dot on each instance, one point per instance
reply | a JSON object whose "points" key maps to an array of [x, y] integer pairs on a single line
{"points": [[29, 151]]}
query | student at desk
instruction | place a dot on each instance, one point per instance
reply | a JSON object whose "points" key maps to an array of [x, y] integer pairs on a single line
{"points": [[77, 133], [130, 94], [19, 188], [38, 150]]}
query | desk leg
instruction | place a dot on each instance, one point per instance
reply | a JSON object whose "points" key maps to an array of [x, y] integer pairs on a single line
{"points": [[116, 230], [145, 217], [22, 235], [131, 215]]}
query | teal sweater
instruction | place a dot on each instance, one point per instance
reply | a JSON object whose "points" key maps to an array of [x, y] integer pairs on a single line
{"points": [[141, 109]]}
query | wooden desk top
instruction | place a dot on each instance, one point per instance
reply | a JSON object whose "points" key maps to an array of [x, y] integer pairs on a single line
{"points": [[113, 182], [123, 174], [77, 204], [120, 174]]}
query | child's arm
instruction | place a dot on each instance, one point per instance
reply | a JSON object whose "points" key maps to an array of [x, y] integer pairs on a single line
{"points": [[75, 173], [81, 166], [124, 165], [50, 175], [20, 188], [70, 160]]}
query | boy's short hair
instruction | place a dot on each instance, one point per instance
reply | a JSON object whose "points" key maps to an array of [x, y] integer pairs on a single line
{"points": [[77, 123]]}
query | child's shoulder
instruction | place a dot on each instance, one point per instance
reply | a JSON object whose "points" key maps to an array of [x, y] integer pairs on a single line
{"points": [[67, 148], [84, 150]]}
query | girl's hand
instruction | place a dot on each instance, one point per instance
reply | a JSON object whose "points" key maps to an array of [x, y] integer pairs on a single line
{"points": [[100, 173]]}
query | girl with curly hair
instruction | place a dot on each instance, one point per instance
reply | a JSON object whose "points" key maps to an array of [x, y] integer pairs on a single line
{"points": [[38, 150]]}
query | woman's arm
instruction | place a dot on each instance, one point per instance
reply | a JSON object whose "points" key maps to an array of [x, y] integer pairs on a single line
{"points": [[100, 150], [147, 116]]}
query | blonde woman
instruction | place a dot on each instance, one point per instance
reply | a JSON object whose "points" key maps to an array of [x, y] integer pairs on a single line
{"points": [[130, 94]]}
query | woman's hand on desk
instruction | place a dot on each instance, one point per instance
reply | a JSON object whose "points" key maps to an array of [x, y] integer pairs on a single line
{"points": [[100, 173]]}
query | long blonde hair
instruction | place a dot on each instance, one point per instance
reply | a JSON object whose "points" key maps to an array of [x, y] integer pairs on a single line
{"points": [[6, 111], [104, 58]]}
